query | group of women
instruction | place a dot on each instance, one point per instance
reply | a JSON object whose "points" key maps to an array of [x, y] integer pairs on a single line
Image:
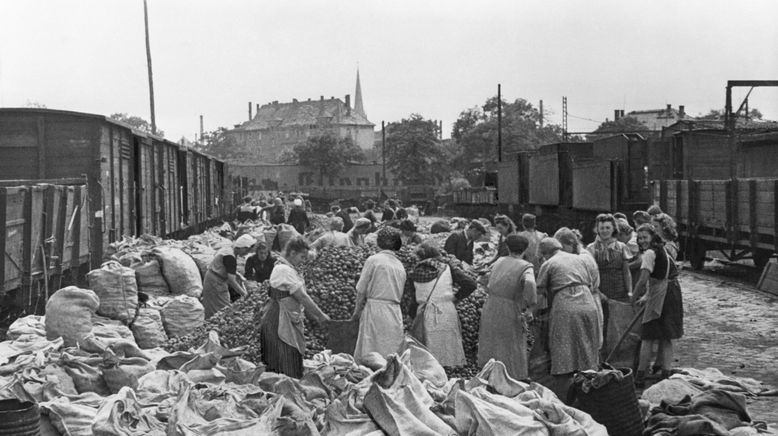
{"points": [[532, 274]]}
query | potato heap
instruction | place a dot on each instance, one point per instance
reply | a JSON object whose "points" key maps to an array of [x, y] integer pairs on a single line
{"points": [[237, 325], [330, 280]]}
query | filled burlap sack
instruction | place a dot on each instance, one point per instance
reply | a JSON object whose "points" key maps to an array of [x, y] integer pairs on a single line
{"points": [[69, 314], [148, 329], [150, 280], [181, 315], [180, 271], [117, 289]]}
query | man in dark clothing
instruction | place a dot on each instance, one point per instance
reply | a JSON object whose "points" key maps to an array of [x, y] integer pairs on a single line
{"points": [[370, 214], [247, 211], [298, 218], [460, 244], [389, 211], [276, 212], [347, 223]]}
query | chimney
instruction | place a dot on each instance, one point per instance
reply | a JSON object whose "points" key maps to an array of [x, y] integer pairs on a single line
{"points": [[294, 100], [621, 113], [616, 114], [681, 111], [669, 108], [250, 107], [257, 108], [348, 105], [201, 127]]}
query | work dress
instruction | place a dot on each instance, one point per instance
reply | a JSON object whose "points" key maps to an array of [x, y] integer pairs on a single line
{"points": [[502, 335], [574, 325], [663, 316], [216, 290], [281, 326], [441, 321], [381, 323], [611, 258]]}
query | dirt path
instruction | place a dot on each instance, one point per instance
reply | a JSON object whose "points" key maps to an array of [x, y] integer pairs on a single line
{"points": [[734, 328]]}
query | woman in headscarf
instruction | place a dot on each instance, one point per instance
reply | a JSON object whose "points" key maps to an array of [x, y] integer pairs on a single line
{"points": [[260, 265], [505, 227], [659, 292], [434, 279], [379, 290], [357, 233], [222, 275], [512, 297], [281, 325], [574, 324]]}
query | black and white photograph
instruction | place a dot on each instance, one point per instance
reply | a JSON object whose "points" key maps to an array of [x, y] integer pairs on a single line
{"points": [[407, 218]]}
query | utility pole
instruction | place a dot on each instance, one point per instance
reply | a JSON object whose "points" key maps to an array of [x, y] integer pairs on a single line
{"points": [[148, 61], [202, 131], [383, 153], [499, 125], [564, 117]]}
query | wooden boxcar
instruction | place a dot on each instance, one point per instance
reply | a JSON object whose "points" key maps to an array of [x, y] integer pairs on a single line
{"points": [[737, 216], [551, 171]]}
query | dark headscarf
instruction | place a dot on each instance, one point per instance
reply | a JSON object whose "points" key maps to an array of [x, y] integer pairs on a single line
{"points": [[389, 238]]}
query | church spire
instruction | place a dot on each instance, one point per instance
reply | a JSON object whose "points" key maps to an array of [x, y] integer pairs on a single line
{"points": [[358, 107]]}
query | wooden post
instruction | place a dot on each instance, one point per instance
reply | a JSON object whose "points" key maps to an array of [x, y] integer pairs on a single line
{"points": [[148, 61], [3, 218]]}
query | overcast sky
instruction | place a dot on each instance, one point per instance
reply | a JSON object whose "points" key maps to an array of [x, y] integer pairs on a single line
{"points": [[434, 58]]}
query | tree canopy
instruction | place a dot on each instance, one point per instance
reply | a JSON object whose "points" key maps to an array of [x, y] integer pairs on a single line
{"points": [[136, 122], [414, 152], [718, 114], [218, 143], [328, 153], [476, 131]]}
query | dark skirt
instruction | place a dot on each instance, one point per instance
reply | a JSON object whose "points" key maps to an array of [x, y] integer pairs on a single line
{"points": [[670, 324], [277, 355]]}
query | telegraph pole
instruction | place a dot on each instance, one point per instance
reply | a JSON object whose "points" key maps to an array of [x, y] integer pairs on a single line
{"points": [[564, 117], [499, 124], [148, 61]]}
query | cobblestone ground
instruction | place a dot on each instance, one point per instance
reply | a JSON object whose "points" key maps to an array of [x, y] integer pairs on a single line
{"points": [[733, 327]]}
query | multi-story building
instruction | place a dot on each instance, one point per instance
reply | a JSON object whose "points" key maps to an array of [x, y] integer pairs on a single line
{"points": [[278, 127]]}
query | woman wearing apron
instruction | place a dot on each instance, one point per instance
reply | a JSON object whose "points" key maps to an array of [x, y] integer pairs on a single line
{"points": [[657, 290], [223, 274], [281, 326]]}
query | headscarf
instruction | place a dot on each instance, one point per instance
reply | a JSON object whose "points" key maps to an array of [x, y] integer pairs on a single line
{"points": [[245, 241], [427, 270], [297, 202], [389, 238]]}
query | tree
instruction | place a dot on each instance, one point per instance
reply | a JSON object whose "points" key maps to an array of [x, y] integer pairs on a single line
{"points": [[413, 151], [328, 153], [220, 144], [476, 131], [35, 104], [136, 122], [622, 125], [718, 115]]}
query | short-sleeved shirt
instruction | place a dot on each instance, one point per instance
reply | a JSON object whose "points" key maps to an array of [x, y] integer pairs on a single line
{"points": [[285, 278], [656, 263]]}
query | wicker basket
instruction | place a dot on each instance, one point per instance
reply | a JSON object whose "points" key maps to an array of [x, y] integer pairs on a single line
{"points": [[614, 405]]}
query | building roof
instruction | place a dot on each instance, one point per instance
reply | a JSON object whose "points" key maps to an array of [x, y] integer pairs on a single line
{"points": [[740, 124], [304, 114]]}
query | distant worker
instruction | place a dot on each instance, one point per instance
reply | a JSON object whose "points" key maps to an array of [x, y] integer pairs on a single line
{"points": [[505, 227], [222, 275], [409, 235], [640, 217], [259, 266], [460, 244], [357, 233], [654, 210], [247, 211], [370, 214], [333, 238], [298, 218], [276, 212], [390, 208], [401, 214], [346, 217], [532, 254]]}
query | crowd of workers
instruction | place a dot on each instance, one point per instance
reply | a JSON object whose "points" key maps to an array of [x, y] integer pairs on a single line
{"points": [[532, 276]]}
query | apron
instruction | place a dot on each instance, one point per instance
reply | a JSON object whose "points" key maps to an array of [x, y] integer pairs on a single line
{"points": [[657, 290], [291, 318]]}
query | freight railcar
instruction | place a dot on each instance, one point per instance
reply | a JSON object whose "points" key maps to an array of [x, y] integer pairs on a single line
{"points": [[72, 183]]}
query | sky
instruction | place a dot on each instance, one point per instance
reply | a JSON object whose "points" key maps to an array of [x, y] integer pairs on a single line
{"points": [[434, 58]]}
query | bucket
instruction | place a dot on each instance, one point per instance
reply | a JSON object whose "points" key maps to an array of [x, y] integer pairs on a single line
{"points": [[614, 405], [19, 418], [342, 336]]}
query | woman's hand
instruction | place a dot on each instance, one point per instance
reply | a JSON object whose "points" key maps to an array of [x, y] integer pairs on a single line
{"points": [[642, 300]]}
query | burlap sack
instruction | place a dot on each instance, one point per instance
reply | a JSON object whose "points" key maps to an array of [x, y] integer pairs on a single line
{"points": [[117, 289], [148, 329], [180, 271], [69, 314], [182, 315], [150, 279]]}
